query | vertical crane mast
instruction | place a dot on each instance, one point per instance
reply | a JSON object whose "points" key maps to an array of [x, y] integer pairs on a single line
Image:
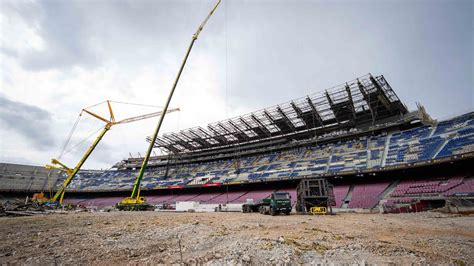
{"points": [[135, 198]]}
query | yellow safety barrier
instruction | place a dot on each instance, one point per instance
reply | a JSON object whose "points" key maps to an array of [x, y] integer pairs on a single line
{"points": [[318, 211]]}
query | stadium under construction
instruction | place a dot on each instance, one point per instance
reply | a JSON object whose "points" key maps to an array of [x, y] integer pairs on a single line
{"points": [[377, 155], [347, 175]]}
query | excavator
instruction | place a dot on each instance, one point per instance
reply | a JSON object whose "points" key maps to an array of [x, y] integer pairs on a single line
{"points": [[135, 201], [57, 199]]}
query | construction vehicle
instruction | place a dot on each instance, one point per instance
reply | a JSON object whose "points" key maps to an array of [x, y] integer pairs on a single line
{"points": [[278, 202], [39, 197], [57, 199], [135, 201], [313, 196]]}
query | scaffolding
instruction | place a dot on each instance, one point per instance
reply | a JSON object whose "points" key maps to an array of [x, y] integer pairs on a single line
{"points": [[363, 101]]}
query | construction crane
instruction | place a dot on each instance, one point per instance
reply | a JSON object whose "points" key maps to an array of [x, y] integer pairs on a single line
{"points": [[71, 172], [135, 201]]}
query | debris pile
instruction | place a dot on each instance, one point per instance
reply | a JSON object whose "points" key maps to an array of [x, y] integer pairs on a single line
{"points": [[30, 208], [236, 238]]}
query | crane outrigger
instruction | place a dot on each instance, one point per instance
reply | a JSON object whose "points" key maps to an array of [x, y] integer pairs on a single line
{"points": [[72, 172], [135, 201]]}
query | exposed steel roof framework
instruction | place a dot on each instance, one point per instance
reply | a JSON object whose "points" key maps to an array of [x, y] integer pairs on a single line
{"points": [[364, 100]]}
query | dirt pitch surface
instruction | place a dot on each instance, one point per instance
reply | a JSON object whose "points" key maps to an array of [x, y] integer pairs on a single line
{"points": [[236, 238]]}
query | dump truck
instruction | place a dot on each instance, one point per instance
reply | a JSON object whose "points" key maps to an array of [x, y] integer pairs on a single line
{"points": [[278, 202]]}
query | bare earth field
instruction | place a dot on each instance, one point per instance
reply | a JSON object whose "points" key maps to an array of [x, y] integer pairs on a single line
{"points": [[236, 238]]}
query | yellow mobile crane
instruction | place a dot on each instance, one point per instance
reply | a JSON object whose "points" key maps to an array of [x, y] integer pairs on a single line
{"points": [[135, 202], [71, 172]]}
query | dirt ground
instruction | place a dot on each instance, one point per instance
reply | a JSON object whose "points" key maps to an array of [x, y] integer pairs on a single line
{"points": [[236, 238]]}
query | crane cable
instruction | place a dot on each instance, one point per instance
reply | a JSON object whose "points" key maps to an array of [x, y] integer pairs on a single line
{"points": [[137, 104], [61, 153], [84, 140], [68, 139], [95, 105], [64, 150]]}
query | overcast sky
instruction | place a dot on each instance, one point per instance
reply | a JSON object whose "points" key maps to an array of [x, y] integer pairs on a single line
{"points": [[57, 57]]}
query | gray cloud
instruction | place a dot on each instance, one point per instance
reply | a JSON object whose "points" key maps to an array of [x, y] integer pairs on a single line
{"points": [[278, 46], [83, 33], [424, 48], [30, 121], [8, 52], [60, 27]]}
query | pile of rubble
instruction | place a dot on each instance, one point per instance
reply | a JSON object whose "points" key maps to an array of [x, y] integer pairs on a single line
{"points": [[236, 238], [30, 208]]}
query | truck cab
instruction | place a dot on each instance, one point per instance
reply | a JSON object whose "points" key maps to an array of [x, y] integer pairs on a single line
{"points": [[279, 202]]}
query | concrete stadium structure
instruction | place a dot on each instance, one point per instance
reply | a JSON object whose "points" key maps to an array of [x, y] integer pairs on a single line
{"points": [[359, 135]]}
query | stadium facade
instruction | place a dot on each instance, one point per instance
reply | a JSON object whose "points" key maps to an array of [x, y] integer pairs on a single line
{"points": [[359, 135]]}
